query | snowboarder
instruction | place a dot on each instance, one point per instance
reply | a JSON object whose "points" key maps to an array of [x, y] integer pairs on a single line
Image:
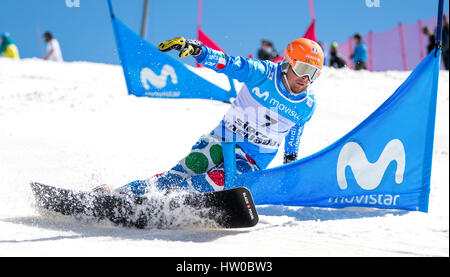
{"points": [[274, 104]]}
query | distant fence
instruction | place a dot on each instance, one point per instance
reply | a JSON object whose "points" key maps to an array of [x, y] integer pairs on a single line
{"points": [[399, 48]]}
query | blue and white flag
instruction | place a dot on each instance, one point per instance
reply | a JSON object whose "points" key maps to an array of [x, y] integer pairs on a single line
{"points": [[149, 72], [385, 162]]}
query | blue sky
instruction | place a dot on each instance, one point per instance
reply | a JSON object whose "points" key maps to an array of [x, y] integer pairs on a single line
{"points": [[85, 32]]}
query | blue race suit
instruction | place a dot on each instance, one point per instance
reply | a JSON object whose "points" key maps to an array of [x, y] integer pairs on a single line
{"points": [[264, 111], [262, 115]]}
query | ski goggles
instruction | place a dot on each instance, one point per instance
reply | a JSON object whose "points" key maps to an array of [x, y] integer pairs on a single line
{"points": [[304, 69]]}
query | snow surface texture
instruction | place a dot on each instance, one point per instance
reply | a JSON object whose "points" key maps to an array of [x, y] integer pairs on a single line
{"points": [[73, 125]]}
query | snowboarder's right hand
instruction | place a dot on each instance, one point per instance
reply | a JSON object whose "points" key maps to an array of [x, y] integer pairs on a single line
{"points": [[289, 158], [186, 47]]}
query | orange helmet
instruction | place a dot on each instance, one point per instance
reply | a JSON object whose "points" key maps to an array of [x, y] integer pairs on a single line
{"points": [[305, 57]]}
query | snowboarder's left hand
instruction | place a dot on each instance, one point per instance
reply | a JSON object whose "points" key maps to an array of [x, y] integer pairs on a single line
{"points": [[186, 47]]}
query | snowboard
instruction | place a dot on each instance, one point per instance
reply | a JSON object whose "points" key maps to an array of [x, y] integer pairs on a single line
{"points": [[232, 208]]}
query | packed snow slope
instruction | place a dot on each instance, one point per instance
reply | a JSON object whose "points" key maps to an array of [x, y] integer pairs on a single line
{"points": [[73, 125]]}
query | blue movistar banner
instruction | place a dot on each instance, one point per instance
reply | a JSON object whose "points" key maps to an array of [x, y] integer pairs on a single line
{"points": [[148, 72], [385, 162]]}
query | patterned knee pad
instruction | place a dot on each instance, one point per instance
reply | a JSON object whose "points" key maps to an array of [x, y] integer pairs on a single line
{"points": [[201, 170], [214, 179], [205, 155]]}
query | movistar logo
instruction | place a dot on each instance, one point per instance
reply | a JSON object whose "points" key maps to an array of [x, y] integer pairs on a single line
{"points": [[260, 94], [275, 103], [158, 81], [368, 175]]}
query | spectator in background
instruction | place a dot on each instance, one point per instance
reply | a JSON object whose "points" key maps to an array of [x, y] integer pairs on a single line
{"points": [[335, 58], [359, 55], [431, 39], [445, 46], [7, 47], [53, 49], [267, 51]]}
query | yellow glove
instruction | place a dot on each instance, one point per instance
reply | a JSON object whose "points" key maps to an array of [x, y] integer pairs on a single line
{"points": [[186, 47]]}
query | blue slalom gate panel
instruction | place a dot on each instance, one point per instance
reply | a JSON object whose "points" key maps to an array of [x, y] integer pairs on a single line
{"points": [[384, 162], [149, 72]]}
